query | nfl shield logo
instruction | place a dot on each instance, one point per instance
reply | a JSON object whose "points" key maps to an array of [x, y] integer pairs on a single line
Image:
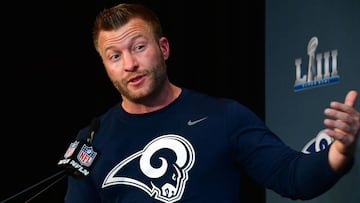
{"points": [[86, 155]]}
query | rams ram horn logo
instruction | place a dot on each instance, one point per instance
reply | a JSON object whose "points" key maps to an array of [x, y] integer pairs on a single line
{"points": [[165, 182]]}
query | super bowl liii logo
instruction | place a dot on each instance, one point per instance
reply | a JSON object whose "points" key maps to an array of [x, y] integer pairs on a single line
{"points": [[322, 68]]}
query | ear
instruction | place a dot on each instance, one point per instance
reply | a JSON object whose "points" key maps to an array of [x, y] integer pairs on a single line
{"points": [[164, 47]]}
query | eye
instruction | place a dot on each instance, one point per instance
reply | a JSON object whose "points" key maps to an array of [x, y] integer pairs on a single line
{"points": [[115, 57], [139, 48]]}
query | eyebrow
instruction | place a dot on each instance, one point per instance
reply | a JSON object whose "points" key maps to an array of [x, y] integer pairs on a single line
{"points": [[132, 39]]}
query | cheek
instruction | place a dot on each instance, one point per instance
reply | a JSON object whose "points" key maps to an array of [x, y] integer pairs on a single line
{"points": [[113, 71], [153, 53]]}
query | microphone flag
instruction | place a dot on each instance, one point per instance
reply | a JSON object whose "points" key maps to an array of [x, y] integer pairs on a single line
{"points": [[78, 158]]}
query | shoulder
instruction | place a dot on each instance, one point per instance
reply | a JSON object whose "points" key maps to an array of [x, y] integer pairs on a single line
{"points": [[203, 99], [196, 101]]}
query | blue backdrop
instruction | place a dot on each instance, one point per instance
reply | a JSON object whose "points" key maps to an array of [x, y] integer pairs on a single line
{"points": [[312, 57]]}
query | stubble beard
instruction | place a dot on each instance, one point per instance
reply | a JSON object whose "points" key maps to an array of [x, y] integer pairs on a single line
{"points": [[157, 76]]}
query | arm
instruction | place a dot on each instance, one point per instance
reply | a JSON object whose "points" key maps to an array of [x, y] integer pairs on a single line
{"points": [[343, 124]]}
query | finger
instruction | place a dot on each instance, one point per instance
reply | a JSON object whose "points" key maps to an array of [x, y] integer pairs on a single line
{"points": [[339, 135], [341, 117], [338, 126], [351, 98], [341, 111]]}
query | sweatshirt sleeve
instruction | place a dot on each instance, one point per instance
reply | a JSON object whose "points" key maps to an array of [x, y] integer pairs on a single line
{"points": [[307, 176], [276, 166]]}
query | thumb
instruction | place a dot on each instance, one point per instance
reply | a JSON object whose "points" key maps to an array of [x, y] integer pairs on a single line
{"points": [[351, 98]]}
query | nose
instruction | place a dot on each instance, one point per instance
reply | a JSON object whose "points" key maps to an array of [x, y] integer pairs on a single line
{"points": [[130, 62]]}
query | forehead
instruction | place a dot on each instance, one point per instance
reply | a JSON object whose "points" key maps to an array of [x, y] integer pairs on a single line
{"points": [[134, 27]]}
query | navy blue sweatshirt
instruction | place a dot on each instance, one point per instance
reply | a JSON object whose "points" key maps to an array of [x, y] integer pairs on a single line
{"points": [[193, 151]]}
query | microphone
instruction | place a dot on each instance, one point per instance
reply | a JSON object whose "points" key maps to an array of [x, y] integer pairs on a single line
{"points": [[63, 175], [77, 161], [80, 155]]}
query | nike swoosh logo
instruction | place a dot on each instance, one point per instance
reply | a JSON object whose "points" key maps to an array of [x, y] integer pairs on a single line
{"points": [[190, 122]]}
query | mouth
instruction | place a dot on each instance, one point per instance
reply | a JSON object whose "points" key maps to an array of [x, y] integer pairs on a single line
{"points": [[136, 80]]}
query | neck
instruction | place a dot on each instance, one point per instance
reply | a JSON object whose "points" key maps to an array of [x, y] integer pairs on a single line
{"points": [[164, 98]]}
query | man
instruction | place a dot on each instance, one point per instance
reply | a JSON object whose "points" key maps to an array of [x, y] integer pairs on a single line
{"points": [[164, 143]]}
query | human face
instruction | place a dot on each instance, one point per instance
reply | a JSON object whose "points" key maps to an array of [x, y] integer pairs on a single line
{"points": [[134, 60]]}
